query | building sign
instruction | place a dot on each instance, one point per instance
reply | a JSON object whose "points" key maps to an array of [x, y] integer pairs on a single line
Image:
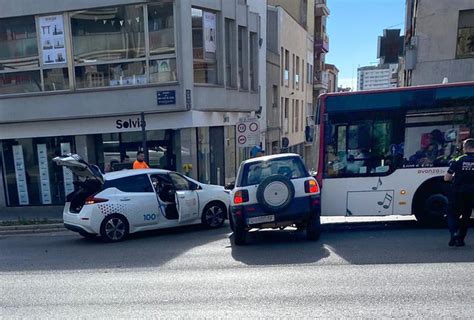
{"points": [[67, 174], [44, 174], [188, 99], [51, 30], [209, 32], [248, 132], [166, 97], [20, 173]]}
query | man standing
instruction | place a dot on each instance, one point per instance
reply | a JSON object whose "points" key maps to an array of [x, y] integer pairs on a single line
{"points": [[140, 162], [461, 170]]}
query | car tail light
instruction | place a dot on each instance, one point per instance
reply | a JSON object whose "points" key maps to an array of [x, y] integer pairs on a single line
{"points": [[93, 200], [311, 186], [241, 196]]}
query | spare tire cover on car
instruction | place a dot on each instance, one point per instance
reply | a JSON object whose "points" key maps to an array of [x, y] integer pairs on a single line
{"points": [[275, 193]]}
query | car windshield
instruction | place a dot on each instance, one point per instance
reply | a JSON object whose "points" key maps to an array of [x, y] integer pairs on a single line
{"points": [[255, 172]]}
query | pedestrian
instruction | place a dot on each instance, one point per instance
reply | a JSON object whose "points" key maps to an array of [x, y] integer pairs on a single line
{"points": [[256, 152], [461, 174], [140, 162]]}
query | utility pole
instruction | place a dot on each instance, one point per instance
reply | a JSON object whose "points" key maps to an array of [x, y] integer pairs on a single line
{"points": [[144, 147]]}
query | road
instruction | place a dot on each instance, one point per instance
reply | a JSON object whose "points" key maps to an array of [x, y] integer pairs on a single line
{"points": [[376, 270]]}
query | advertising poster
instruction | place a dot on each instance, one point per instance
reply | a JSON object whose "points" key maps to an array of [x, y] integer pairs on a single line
{"points": [[67, 174], [20, 174], [44, 174], [209, 32], [51, 29]]}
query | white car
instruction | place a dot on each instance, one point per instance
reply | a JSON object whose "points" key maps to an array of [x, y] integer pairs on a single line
{"points": [[275, 192], [116, 204]]}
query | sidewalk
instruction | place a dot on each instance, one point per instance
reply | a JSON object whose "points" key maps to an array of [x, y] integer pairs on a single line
{"points": [[31, 220]]}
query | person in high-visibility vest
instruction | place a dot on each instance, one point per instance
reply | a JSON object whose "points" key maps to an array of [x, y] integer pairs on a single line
{"points": [[140, 162]]}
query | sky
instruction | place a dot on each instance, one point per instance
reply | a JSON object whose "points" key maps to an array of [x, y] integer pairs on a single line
{"points": [[353, 28]]}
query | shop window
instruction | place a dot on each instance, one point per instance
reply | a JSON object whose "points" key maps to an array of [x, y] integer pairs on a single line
{"points": [[163, 70], [31, 177], [20, 82], [161, 28], [465, 42], [204, 31]]}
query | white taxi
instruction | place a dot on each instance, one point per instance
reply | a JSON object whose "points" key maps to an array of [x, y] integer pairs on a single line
{"points": [[116, 204]]}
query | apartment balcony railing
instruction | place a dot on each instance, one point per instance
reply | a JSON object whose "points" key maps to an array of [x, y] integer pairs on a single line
{"points": [[321, 44], [321, 8]]}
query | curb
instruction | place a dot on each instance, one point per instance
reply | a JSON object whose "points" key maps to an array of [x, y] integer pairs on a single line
{"points": [[27, 229]]}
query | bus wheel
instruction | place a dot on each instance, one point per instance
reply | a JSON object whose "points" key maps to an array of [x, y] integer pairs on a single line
{"points": [[430, 211]]}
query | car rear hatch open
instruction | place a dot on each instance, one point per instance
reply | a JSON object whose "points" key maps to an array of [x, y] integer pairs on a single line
{"points": [[91, 180]]}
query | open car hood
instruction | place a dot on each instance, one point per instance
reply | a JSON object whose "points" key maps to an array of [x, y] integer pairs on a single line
{"points": [[79, 167]]}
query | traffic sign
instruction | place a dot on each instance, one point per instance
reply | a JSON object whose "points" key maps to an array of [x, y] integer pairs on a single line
{"points": [[248, 132]]}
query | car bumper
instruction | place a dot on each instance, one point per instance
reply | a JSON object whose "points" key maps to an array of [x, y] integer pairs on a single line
{"points": [[300, 210], [78, 222]]}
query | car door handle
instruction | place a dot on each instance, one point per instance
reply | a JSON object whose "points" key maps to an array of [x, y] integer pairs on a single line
{"points": [[125, 199]]}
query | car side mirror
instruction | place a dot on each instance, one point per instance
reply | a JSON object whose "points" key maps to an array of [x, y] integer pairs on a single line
{"points": [[229, 186], [193, 187]]}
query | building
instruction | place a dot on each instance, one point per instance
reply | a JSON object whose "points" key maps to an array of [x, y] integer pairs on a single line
{"points": [[377, 77], [76, 77], [439, 41], [333, 73], [289, 93]]}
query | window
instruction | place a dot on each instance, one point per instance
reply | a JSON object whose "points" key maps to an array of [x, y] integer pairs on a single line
{"points": [[106, 34], [286, 118], [253, 61], [297, 73], [282, 63], [243, 58], [179, 182], [296, 115], [293, 115], [293, 72], [162, 65], [19, 58], [465, 43], [204, 28], [230, 74], [138, 183], [287, 69], [302, 75], [56, 79], [115, 74], [275, 96]]}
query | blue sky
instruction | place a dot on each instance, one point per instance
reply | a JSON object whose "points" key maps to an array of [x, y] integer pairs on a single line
{"points": [[353, 27]]}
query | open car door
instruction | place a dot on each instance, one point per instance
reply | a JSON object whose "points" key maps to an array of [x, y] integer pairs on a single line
{"points": [[187, 201]]}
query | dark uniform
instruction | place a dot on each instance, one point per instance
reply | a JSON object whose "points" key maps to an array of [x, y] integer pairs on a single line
{"points": [[462, 196]]}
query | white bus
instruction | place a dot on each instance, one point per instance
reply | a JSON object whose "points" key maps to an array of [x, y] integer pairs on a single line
{"points": [[385, 152]]}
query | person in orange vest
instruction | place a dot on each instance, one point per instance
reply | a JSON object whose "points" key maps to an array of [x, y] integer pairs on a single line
{"points": [[140, 162]]}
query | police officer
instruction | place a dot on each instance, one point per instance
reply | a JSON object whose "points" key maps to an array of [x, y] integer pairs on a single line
{"points": [[461, 170]]}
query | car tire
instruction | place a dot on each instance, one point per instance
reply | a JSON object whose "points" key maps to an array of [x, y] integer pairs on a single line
{"points": [[313, 228], [240, 235], [114, 228], [213, 215], [431, 210], [280, 184]]}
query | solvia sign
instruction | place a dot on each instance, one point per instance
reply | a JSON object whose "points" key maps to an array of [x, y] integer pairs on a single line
{"points": [[128, 123]]}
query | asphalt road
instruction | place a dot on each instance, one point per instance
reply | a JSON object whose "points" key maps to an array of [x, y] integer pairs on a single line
{"points": [[375, 271]]}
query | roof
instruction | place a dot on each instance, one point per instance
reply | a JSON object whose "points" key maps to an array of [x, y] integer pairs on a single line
{"points": [[132, 172], [271, 157]]}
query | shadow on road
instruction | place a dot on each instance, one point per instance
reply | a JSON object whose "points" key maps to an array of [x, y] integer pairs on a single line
{"points": [[369, 243]]}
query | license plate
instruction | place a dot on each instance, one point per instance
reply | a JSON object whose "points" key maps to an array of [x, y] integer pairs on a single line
{"points": [[261, 219]]}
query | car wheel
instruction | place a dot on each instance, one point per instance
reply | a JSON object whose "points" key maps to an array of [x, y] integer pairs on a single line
{"points": [[313, 228], [431, 211], [275, 193], [114, 228], [213, 215], [240, 235]]}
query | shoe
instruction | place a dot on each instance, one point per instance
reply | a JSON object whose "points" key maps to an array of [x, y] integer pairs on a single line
{"points": [[452, 241], [460, 242]]}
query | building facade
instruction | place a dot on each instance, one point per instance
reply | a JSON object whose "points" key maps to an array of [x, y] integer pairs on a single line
{"points": [[289, 55], [77, 76], [333, 73], [439, 41]]}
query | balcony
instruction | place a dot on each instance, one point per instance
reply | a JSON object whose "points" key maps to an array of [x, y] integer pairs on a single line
{"points": [[322, 9], [321, 80], [321, 45]]}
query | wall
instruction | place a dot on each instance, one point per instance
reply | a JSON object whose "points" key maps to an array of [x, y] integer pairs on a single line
{"points": [[436, 29]]}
